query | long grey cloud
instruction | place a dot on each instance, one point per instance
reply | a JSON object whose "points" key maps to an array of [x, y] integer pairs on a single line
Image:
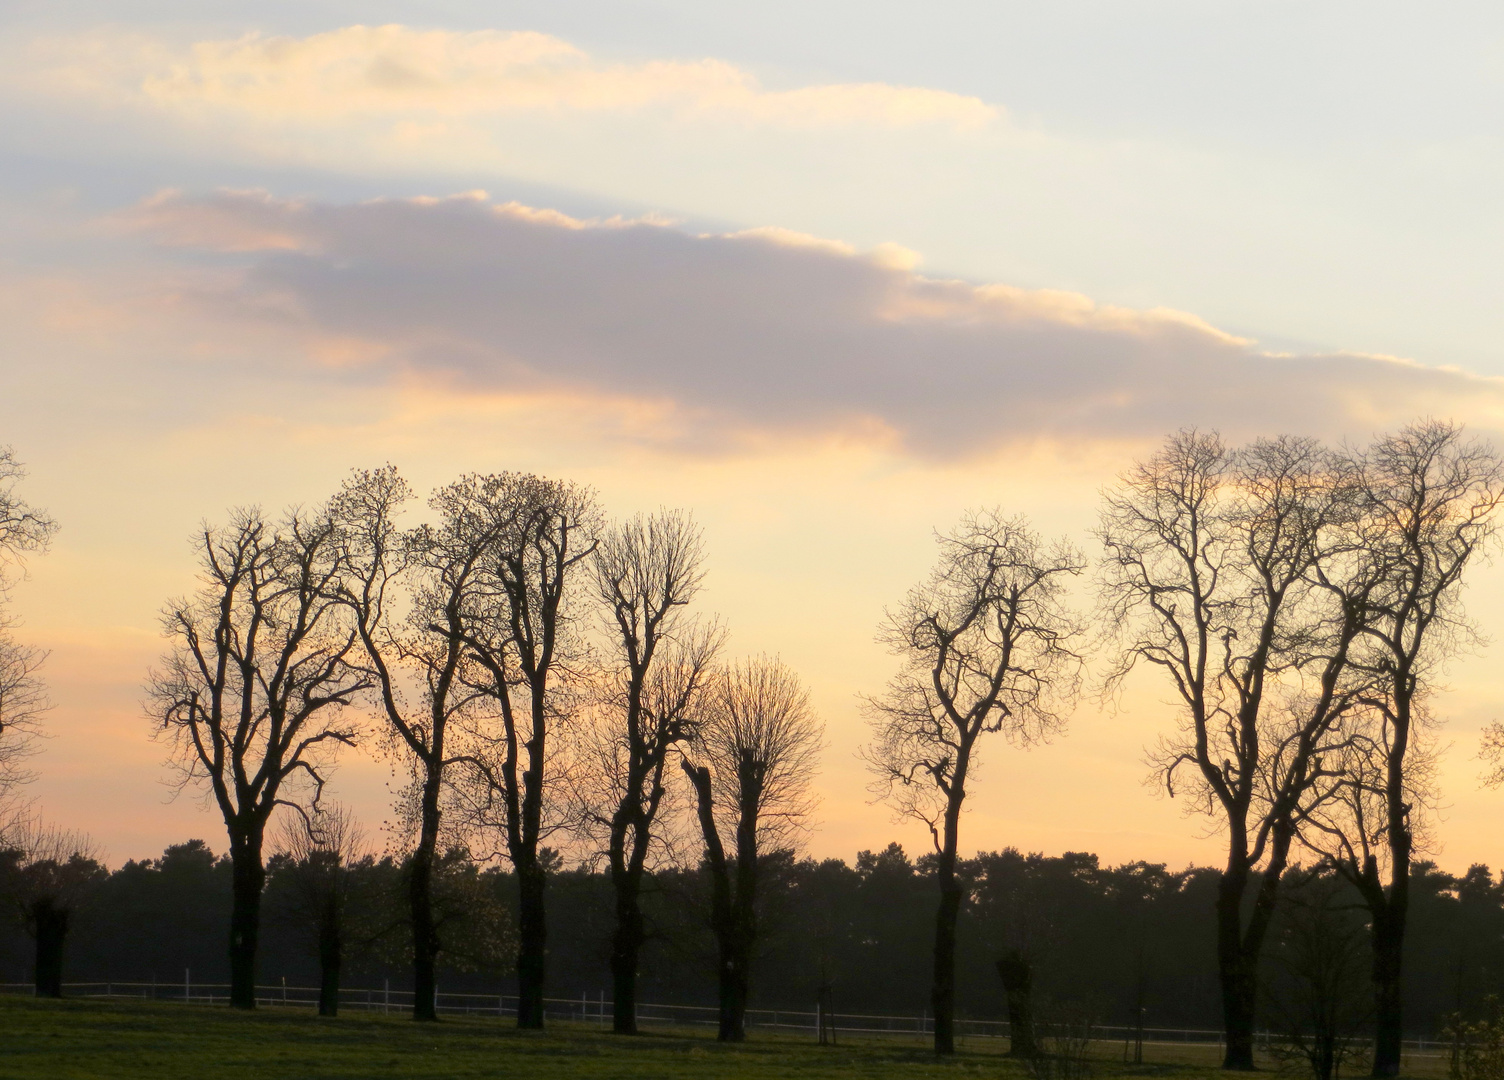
{"points": [[766, 330]]}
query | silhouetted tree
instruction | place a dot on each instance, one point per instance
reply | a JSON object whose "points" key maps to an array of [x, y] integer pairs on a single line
{"points": [[647, 571], [750, 764], [1232, 573], [522, 637], [1427, 500], [317, 855], [251, 695], [413, 595], [1018, 987], [45, 873], [1318, 1000], [986, 644]]}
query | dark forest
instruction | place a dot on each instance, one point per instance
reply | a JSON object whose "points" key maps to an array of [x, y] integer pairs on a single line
{"points": [[1099, 938]]}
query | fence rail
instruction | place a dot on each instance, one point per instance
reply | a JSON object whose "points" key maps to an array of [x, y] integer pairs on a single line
{"points": [[597, 1011]]}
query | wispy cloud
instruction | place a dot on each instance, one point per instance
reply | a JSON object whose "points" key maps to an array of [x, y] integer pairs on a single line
{"points": [[762, 331], [396, 71]]}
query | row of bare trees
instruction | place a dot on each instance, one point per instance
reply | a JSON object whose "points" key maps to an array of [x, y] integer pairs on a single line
{"points": [[538, 671], [1300, 602], [535, 670]]}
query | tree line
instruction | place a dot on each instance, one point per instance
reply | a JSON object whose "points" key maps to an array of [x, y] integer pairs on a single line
{"points": [[544, 679], [1109, 939]]}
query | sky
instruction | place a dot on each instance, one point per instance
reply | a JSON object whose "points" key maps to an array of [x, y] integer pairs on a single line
{"points": [[825, 274]]}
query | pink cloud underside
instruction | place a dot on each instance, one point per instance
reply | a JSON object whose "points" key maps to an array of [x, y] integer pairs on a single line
{"points": [[767, 330]]}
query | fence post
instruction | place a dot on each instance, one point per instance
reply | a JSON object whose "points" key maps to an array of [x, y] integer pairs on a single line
{"points": [[386, 995], [187, 985]]}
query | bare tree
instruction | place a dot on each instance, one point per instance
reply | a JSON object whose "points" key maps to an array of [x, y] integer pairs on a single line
{"points": [[647, 572], [520, 633], [24, 530], [986, 645], [750, 764], [1428, 504], [45, 873], [1320, 1003], [409, 592], [318, 852], [252, 694], [1231, 574]]}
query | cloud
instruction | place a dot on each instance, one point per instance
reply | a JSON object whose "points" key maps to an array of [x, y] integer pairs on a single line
{"points": [[396, 71], [762, 331]]}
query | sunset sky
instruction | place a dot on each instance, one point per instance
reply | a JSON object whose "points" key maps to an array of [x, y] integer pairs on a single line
{"points": [[824, 273]]}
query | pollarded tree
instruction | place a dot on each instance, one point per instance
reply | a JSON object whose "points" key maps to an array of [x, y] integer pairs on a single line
{"points": [[647, 571], [318, 853], [1231, 573], [45, 874], [24, 530], [252, 694], [750, 763], [987, 646]]}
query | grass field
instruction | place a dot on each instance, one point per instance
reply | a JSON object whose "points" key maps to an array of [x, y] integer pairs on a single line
{"points": [[71, 1040]]}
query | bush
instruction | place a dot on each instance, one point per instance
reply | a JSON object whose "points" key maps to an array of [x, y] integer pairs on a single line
{"points": [[1063, 1041], [1477, 1044]]}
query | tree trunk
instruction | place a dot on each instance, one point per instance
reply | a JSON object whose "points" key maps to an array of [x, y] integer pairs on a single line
{"points": [[731, 983], [425, 935], [731, 976], [1239, 949], [1018, 980], [1326, 1056], [1388, 936], [1389, 913], [1237, 977], [420, 899], [735, 958], [248, 880], [331, 957], [626, 944], [943, 986], [532, 940], [51, 925], [741, 908], [943, 991]]}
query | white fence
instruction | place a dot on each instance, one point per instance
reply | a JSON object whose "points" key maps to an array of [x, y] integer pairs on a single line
{"points": [[596, 1012]]}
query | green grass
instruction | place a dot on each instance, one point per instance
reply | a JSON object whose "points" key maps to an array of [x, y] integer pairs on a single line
{"points": [[71, 1040]]}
